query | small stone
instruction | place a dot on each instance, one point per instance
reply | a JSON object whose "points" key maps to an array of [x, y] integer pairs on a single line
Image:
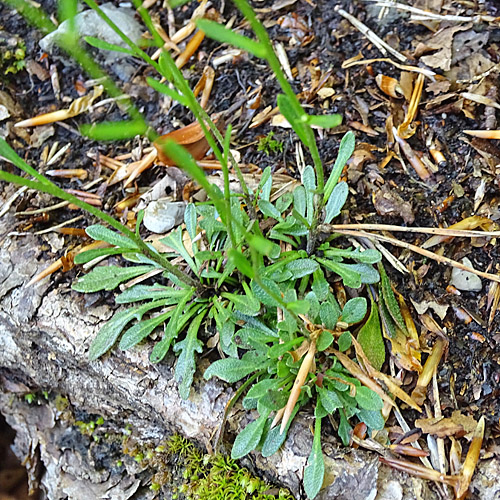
{"points": [[4, 112], [162, 215], [464, 280]]}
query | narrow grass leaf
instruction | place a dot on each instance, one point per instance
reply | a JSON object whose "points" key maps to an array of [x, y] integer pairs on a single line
{"points": [[102, 45], [165, 89], [325, 121], [114, 131], [241, 263], [224, 35]]}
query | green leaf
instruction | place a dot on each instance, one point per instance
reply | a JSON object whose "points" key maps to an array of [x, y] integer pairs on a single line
{"points": [[101, 44], [275, 438], [150, 292], [324, 341], [350, 277], [190, 220], [299, 200], [87, 256], [177, 322], [368, 399], [369, 256], [141, 330], [328, 315], [309, 182], [114, 131], [299, 306], [98, 232], [346, 150], [319, 285], [344, 341], [368, 273], [223, 35], [314, 472], [263, 295], [302, 267], [108, 277], [175, 242], [278, 350], [371, 340], [265, 185], [261, 388], [336, 201], [110, 332], [391, 301], [249, 438], [263, 246], [330, 400], [354, 310], [344, 429], [373, 419], [295, 119], [231, 369], [247, 303], [186, 364], [325, 121], [241, 263], [269, 210]]}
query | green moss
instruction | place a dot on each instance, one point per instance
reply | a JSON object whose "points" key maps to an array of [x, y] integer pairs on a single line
{"points": [[12, 54], [214, 477], [269, 145]]}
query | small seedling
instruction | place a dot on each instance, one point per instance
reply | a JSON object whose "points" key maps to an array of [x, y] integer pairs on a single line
{"points": [[270, 145]]}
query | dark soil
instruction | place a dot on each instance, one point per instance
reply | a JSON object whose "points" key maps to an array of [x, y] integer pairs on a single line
{"points": [[469, 376]]}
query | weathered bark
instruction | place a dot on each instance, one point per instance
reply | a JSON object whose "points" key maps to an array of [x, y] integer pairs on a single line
{"points": [[45, 333]]}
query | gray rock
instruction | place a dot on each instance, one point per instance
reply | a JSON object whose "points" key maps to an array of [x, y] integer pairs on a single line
{"points": [[162, 215], [463, 280], [88, 23]]}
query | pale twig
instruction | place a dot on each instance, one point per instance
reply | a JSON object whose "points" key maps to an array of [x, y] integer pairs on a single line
{"points": [[375, 39], [62, 224], [11, 200], [404, 67], [421, 251], [424, 15], [461, 233]]}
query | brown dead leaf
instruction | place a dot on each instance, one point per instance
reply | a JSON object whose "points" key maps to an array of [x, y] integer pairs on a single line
{"points": [[388, 202], [442, 41], [443, 427]]}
